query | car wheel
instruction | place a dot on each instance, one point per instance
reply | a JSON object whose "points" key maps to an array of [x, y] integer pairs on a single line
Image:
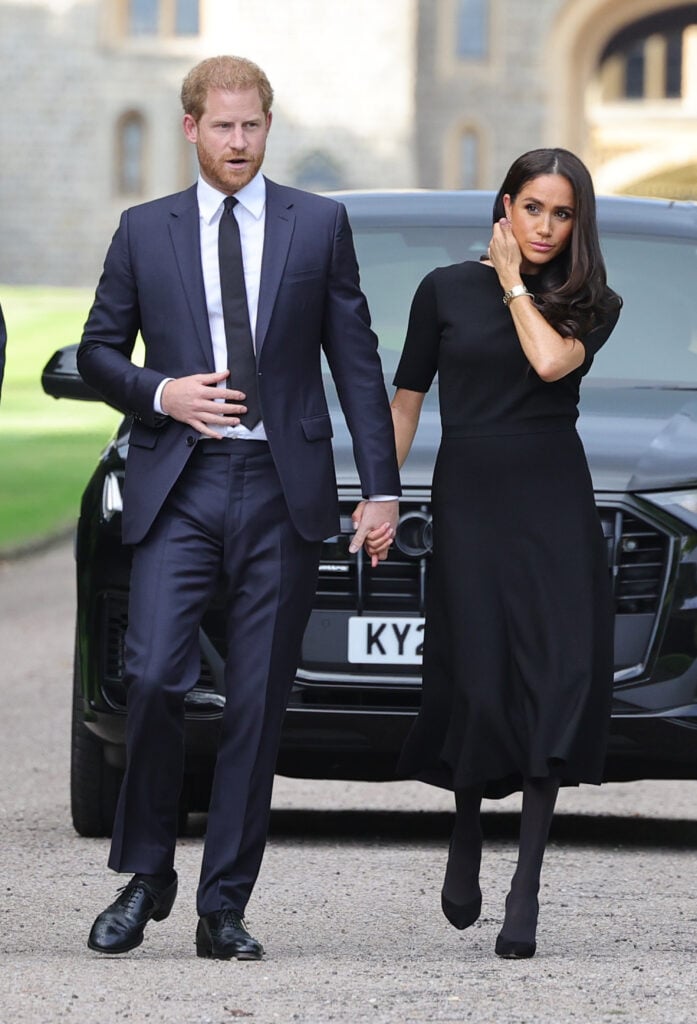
{"points": [[94, 784]]}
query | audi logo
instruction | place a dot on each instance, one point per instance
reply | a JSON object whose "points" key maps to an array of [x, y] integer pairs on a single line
{"points": [[414, 536]]}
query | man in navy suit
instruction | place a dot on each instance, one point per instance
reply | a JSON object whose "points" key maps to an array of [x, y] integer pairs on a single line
{"points": [[225, 482]]}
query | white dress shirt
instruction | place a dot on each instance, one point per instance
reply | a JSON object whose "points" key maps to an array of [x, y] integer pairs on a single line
{"points": [[250, 212]]}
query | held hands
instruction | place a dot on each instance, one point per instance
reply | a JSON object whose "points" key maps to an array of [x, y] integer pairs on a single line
{"points": [[197, 401], [375, 522]]}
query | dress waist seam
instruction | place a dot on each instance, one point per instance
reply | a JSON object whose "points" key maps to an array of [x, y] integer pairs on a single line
{"points": [[541, 425]]}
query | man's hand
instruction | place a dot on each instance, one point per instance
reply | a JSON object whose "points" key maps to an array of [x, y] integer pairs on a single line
{"points": [[197, 401], [375, 522]]}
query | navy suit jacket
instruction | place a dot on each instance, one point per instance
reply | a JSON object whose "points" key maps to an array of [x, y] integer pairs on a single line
{"points": [[309, 300]]}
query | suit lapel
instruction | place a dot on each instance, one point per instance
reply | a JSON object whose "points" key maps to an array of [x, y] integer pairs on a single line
{"points": [[185, 233], [278, 231]]}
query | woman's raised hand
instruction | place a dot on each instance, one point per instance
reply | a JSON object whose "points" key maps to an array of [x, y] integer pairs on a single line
{"points": [[504, 252]]}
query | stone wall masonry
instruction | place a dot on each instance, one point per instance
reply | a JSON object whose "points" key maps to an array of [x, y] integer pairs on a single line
{"points": [[65, 81]]}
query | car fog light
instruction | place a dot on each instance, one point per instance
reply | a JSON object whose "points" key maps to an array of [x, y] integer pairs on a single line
{"points": [[414, 536], [111, 497]]}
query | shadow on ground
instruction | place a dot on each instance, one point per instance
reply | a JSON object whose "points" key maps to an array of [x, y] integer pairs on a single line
{"points": [[403, 826]]}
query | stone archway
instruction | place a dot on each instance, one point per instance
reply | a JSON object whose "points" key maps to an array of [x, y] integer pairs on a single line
{"points": [[576, 40]]}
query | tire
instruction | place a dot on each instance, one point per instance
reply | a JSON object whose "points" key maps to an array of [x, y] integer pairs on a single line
{"points": [[94, 784]]}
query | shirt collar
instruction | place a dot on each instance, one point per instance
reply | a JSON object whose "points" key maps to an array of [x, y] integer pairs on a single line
{"points": [[252, 197]]}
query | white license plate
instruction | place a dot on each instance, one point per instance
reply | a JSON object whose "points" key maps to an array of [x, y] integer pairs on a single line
{"points": [[383, 641]]}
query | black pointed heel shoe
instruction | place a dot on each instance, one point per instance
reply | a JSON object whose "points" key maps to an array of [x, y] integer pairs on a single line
{"points": [[461, 915], [510, 949], [521, 918]]}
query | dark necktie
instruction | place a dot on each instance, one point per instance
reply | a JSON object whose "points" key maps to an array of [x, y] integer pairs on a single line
{"points": [[238, 333]]}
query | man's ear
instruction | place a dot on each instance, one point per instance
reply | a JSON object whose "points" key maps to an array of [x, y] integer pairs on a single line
{"points": [[190, 128]]}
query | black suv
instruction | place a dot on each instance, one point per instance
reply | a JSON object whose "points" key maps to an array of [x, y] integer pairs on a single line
{"points": [[357, 686]]}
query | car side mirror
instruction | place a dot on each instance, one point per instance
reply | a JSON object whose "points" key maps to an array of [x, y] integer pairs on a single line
{"points": [[61, 378]]}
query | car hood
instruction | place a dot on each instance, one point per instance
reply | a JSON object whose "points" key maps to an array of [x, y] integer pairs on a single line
{"points": [[637, 437]]}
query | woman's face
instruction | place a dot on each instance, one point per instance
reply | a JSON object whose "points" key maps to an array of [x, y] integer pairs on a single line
{"points": [[542, 219]]}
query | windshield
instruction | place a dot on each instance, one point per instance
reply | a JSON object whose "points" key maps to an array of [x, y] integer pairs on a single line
{"points": [[655, 340], [656, 337], [393, 261]]}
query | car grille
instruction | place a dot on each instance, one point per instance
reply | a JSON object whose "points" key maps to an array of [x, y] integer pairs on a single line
{"points": [[637, 558], [114, 620], [397, 585]]}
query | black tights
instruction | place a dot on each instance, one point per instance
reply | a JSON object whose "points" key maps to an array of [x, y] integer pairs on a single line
{"points": [[539, 798], [461, 883]]}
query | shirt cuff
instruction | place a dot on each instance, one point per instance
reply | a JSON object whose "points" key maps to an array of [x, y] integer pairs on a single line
{"points": [[383, 497], [157, 405]]}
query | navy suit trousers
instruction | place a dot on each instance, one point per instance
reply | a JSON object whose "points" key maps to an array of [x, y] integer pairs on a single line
{"points": [[225, 521]]}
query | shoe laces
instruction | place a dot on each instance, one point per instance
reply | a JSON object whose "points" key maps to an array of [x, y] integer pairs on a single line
{"points": [[129, 893], [229, 916]]}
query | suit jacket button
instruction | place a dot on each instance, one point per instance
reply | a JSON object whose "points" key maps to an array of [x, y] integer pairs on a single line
{"points": [[191, 441]]}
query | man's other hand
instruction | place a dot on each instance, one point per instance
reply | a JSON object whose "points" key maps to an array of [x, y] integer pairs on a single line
{"points": [[198, 401]]}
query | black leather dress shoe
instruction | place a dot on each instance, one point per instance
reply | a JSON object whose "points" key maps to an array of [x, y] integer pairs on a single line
{"points": [[120, 927], [222, 936]]}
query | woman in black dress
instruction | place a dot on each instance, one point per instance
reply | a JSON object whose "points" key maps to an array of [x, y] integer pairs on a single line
{"points": [[518, 653]]}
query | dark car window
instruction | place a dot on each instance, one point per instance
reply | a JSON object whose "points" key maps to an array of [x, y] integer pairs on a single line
{"points": [[656, 337], [393, 262], [655, 340]]}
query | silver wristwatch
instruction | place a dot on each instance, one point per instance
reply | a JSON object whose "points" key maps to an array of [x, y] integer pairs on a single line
{"points": [[514, 292]]}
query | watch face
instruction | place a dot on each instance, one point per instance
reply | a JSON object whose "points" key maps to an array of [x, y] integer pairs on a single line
{"points": [[514, 292]]}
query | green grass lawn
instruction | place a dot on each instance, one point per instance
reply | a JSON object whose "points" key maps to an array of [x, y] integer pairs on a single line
{"points": [[48, 448]]}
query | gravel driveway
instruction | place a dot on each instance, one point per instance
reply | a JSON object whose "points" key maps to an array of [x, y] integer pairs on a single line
{"points": [[347, 901]]}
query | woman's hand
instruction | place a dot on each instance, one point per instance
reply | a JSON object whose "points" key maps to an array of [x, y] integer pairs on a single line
{"points": [[376, 530], [550, 355], [377, 543], [504, 253]]}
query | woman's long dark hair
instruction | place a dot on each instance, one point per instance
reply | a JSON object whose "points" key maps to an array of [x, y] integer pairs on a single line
{"points": [[573, 295]]}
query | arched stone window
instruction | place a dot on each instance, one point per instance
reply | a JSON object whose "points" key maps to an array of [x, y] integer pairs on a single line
{"points": [[318, 172], [471, 28], [468, 159], [161, 17], [143, 17], [463, 157], [130, 154], [186, 18]]}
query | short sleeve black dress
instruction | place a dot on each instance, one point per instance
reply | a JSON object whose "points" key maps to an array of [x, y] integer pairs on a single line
{"points": [[518, 650]]}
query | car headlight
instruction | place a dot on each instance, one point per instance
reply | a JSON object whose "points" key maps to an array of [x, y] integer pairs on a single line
{"points": [[681, 504]]}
